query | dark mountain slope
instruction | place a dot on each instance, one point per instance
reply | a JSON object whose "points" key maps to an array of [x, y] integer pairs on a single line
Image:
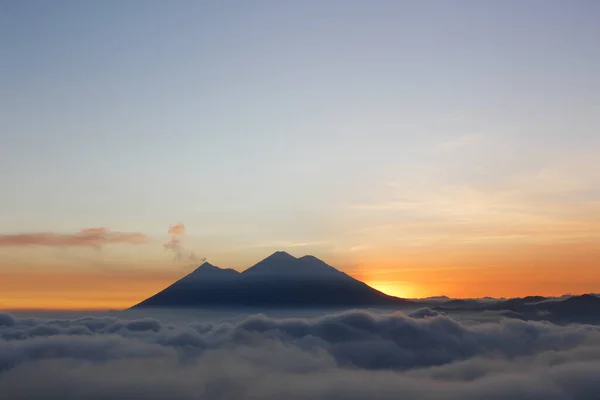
{"points": [[279, 280]]}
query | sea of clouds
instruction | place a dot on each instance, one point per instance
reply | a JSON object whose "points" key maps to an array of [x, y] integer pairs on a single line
{"points": [[346, 355]]}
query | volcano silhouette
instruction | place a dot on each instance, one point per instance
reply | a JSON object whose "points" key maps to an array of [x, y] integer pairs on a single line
{"points": [[279, 280]]}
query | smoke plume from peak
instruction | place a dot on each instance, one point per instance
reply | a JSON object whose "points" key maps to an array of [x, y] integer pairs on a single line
{"points": [[177, 230], [174, 245]]}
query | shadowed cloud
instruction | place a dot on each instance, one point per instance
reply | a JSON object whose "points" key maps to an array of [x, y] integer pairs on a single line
{"points": [[352, 355]]}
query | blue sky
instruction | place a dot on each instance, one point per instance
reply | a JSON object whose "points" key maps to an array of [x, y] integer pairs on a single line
{"points": [[276, 124]]}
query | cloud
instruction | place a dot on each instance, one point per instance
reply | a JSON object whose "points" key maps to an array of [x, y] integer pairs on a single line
{"points": [[459, 142], [279, 244], [92, 237], [177, 230], [351, 355], [387, 205]]}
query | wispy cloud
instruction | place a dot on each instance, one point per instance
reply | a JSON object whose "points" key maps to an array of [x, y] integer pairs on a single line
{"points": [[304, 244], [281, 244], [91, 237], [386, 205], [458, 143], [548, 204]]}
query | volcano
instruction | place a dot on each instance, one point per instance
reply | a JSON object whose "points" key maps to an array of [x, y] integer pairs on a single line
{"points": [[279, 280]]}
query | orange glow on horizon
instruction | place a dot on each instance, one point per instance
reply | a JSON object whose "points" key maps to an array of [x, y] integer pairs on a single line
{"points": [[81, 290], [393, 288], [551, 270]]}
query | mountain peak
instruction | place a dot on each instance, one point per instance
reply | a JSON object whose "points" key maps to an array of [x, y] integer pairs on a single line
{"points": [[209, 270], [281, 264], [206, 265], [280, 255]]}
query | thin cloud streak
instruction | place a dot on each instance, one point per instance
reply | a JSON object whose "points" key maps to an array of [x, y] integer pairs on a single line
{"points": [[91, 237], [278, 245]]}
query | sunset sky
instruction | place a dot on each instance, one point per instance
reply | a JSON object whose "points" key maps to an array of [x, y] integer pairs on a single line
{"points": [[424, 147]]}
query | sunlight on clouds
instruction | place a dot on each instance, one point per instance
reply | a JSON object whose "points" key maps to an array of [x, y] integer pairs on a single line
{"points": [[555, 203]]}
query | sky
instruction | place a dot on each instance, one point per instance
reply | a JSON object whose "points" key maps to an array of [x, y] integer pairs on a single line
{"points": [[426, 147]]}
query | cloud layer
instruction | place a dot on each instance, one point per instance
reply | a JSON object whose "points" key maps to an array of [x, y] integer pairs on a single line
{"points": [[353, 355], [92, 237]]}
